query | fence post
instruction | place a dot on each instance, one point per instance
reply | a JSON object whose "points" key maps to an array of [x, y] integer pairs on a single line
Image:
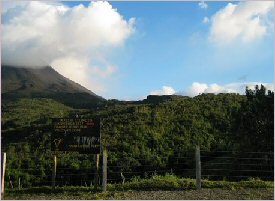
{"points": [[3, 172], [96, 170], [198, 167], [54, 171], [19, 183], [104, 169]]}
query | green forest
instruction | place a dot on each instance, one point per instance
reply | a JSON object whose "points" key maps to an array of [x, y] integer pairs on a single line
{"points": [[157, 133]]}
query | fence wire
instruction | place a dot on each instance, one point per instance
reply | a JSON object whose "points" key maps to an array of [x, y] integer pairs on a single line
{"points": [[215, 165]]}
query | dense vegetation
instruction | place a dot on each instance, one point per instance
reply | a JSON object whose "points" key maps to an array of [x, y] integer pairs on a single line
{"points": [[138, 135]]}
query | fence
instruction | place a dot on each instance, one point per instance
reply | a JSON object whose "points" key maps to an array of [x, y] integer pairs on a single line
{"points": [[215, 165]]}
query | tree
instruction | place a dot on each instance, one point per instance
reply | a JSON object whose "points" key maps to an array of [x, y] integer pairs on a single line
{"points": [[255, 130]]}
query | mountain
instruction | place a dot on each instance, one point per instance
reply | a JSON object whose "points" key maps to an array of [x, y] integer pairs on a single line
{"points": [[45, 82]]}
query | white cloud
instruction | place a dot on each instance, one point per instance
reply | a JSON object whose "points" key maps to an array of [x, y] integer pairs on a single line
{"points": [[166, 90], [72, 40], [75, 68], [199, 88], [205, 20], [196, 88], [203, 5], [104, 72], [245, 20]]}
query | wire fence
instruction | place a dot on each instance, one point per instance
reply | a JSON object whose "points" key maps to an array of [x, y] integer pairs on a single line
{"points": [[215, 165]]}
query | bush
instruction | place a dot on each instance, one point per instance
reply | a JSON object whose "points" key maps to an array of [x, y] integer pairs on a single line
{"points": [[172, 182]]}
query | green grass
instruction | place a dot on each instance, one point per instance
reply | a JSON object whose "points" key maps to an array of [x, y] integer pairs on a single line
{"points": [[117, 191], [172, 182]]}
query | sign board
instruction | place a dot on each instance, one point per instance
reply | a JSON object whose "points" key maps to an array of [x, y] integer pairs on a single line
{"points": [[76, 134]]}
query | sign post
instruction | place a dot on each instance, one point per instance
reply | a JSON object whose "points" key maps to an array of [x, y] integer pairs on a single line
{"points": [[80, 135], [54, 171], [76, 135], [96, 171]]}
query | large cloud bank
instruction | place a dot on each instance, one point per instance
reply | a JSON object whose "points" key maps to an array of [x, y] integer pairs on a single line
{"points": [[73, 40], [246, 21]]}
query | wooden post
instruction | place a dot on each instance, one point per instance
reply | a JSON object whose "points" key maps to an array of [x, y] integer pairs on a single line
{"points": [[198, 167], [96, 170], [104, 171], [19, 183], [10, 182], [3, 171], [54, 171]]}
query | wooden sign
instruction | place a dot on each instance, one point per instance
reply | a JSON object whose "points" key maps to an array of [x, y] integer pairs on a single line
{"points": [[76, 134]]}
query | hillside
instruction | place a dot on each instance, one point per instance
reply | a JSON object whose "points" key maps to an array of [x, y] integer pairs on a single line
{"points": [[157, 134], [44, 82]]}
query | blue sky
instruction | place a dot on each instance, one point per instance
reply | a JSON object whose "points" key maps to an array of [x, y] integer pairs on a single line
{"points": [[183, 47]]}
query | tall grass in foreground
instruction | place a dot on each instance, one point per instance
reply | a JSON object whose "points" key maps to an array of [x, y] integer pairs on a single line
{"points": [[155, 182], [172, 182]]}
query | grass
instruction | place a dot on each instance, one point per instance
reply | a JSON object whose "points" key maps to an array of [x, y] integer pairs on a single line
{"points": [[252, 188], [172, 182]]}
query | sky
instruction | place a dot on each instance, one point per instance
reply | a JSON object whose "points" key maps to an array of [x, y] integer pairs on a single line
{"points": [[128, 50]]}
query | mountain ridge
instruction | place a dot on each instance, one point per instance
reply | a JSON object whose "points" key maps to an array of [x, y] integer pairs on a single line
{"points": [[44, 82]]}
